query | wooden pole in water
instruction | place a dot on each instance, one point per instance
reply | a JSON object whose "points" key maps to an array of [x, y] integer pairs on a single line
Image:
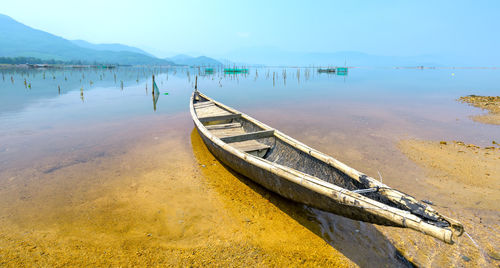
{"points": [[196, 94], [153, 92], [153, 85]]}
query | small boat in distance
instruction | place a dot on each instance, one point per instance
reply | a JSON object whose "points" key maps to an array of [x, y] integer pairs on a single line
{"points": [[235, 70], [326, 70], [342, 70], [297, 172]]}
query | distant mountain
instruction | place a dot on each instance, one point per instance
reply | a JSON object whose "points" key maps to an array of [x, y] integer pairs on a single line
{"points": [[182, 59], [275, 56], [109, 47], [354, 58], [19, 40]]}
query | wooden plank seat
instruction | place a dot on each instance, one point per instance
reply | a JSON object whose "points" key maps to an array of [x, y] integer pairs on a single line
{"points": [[212, 110], [250, 146], [227, 132], [234, 134], [248, 136], [203, 104], [223, 126], [219, 117]]}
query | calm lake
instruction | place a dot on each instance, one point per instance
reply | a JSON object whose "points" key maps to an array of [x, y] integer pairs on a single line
{"points": [[84, 156]]}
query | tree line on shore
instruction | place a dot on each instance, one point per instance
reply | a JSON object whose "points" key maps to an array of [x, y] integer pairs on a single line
{"points": [[33, 60]]}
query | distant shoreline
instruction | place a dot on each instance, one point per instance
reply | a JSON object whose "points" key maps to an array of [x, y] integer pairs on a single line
{"points": [[74, 66], [34, 66], [55, 66]]}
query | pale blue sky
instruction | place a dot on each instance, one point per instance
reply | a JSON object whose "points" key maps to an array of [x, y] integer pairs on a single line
{"points": [[399, 28]]}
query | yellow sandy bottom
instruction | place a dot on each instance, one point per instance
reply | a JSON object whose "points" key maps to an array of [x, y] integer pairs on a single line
{"points": [[150, 204]]}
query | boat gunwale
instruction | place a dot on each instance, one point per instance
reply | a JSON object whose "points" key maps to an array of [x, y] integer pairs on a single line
{"points": [[404, 218]]}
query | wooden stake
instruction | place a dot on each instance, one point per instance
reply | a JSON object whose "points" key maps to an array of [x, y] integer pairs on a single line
{"points": [[153, 92], [153, 85]]}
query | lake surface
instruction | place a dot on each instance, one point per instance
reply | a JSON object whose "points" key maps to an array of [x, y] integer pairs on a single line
{"points": [[417, 98], [69, 137]]}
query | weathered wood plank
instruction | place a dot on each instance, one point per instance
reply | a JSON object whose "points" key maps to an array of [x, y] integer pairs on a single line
{"points": [[221, 133], [208, 107], [223, 126], [202, 104], [249, 136], [211, 111], [219, 117], [250, 146]]}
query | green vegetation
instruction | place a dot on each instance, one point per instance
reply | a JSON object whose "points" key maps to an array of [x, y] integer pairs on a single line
{"points": [[32, 60]]}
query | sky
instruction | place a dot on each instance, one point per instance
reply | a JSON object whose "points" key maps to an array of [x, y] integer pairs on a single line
{"points": [[218, 28]]}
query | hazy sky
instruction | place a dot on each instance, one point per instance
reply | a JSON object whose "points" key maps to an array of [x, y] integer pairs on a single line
{"points": [[399, 28]]}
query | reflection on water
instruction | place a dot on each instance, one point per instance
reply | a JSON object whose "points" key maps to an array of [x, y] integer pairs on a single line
{"points": [[48, 115]]}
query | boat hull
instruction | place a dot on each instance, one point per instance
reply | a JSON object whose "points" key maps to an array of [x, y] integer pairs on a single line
{"points": [[288, 189]]}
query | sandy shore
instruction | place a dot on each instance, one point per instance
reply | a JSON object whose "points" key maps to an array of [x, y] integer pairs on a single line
{"points": [[472, 175], [132, 204], [489, 103], [463, 163]]}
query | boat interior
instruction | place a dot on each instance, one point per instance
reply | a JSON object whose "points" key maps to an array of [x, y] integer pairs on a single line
{"points": [[250, 138]]}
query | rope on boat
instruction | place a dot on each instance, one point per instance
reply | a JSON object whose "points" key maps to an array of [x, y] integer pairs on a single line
{"points": [[381, 180], [478, 247], [472, 239], [369, 190]]}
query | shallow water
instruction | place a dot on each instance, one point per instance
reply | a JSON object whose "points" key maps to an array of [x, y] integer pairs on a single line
{"points": [[96, 162]]}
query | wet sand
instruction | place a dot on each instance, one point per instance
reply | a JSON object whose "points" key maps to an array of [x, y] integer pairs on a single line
{"points": [[147, 202], [488, 103], [467, 164], [471, 174]]}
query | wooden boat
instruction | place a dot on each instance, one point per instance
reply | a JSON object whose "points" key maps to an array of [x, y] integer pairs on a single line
{"points": [[342, 70], [235, 71], [327, 70], [300, 173]]}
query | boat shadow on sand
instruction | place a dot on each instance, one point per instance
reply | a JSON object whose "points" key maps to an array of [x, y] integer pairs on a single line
{"points": [[360, 242]]}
